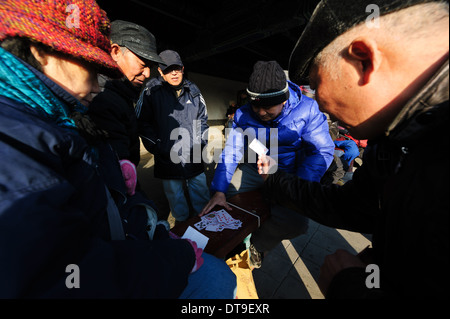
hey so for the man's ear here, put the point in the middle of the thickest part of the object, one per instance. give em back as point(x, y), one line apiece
point(160, 71)
point(367, 56)
point(116, 52)
point(41, 57)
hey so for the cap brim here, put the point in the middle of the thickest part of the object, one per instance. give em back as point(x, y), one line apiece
point(164, 66)
point(62, 41)
point(326, 25)
point(310, 45)
point(150, 56)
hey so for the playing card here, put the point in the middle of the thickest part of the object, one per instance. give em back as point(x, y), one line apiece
point(218, 221)
point(194, 235)
point(258, 147)
point(200, 225)
point(223, 217)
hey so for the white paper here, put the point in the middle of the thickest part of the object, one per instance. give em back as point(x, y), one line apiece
point(194, 235)
point(258, 147)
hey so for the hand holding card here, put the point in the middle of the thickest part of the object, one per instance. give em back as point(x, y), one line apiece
point(266, 165)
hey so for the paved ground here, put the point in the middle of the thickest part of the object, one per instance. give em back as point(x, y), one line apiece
point(291, 270)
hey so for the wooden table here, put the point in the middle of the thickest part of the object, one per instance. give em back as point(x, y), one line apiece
point(223, 242)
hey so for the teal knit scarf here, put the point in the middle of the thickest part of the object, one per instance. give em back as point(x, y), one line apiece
point(19, 83)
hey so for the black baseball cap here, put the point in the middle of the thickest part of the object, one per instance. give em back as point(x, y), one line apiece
point(136, 38)
point(330, 19)
point(169, 58)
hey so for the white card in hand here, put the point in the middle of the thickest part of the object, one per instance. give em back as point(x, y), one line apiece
point(258, 147)
point(200, 239)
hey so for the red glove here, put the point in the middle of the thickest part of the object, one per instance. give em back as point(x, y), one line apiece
point(198, 256)
point(198, 252)
point(129, 175)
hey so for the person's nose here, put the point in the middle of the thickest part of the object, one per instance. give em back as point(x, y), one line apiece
point(146, 72)
point(261, 112)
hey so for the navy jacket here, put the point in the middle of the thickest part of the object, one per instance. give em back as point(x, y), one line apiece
point(172, 128)
point(53, 214)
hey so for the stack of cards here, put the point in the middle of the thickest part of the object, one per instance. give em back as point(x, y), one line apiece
point(218, 221)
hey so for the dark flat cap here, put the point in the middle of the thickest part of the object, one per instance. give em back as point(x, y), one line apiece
point(136, 38)
point(330, 19)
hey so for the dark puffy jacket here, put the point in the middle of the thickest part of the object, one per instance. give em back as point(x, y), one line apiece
point(399, 194)
point(53, 214)
point(172, 128)
point(113, 111)
point(305, 147)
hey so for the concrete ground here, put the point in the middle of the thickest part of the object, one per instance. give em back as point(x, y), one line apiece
point(291, 270)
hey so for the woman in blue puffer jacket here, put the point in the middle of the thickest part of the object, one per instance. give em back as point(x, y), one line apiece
point(295, 133)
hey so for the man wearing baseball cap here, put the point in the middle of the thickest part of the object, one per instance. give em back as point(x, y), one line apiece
point(171, 105)
point(381, 69)
point(133, 48)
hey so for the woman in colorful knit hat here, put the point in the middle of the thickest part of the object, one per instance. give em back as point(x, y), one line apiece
point(61, 235)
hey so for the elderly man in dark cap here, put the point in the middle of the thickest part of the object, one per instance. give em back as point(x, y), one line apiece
point(381, 70)
point(133, 48)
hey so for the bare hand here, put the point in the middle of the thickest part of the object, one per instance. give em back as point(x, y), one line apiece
point(335, 263)
point(266, 165)
point(218, 199)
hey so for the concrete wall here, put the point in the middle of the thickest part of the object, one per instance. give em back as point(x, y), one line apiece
point(217, 93)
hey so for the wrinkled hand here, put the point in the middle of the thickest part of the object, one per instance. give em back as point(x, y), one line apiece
point(198, 256)
point(266, 165)
point(335, 263)
point(220, 199)
point(129, 175)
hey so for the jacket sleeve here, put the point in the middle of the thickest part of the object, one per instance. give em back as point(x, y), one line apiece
point(229, 160)
point(317, 150)
point(352, 206)
point(106, 111)
point(203, 117)
point(145, 116)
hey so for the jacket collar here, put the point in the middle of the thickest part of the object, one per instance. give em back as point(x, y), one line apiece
point(423, 109)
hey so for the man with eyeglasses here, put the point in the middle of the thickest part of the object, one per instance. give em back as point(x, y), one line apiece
point(172, 118)
point(133, 48)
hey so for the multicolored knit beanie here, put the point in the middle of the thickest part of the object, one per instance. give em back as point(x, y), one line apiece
point(79, 28)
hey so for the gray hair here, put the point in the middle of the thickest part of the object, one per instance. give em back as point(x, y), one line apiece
point(392, 28)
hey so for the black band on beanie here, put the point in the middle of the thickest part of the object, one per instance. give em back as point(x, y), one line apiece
point(269, 99)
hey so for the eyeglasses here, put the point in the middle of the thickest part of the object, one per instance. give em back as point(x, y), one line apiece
point(176, 69)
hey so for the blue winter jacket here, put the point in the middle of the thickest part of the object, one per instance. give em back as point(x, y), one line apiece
point(300, 140)
point(53, 214)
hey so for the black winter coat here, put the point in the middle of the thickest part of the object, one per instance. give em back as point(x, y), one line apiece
point(400, 195)
point(113, 111)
